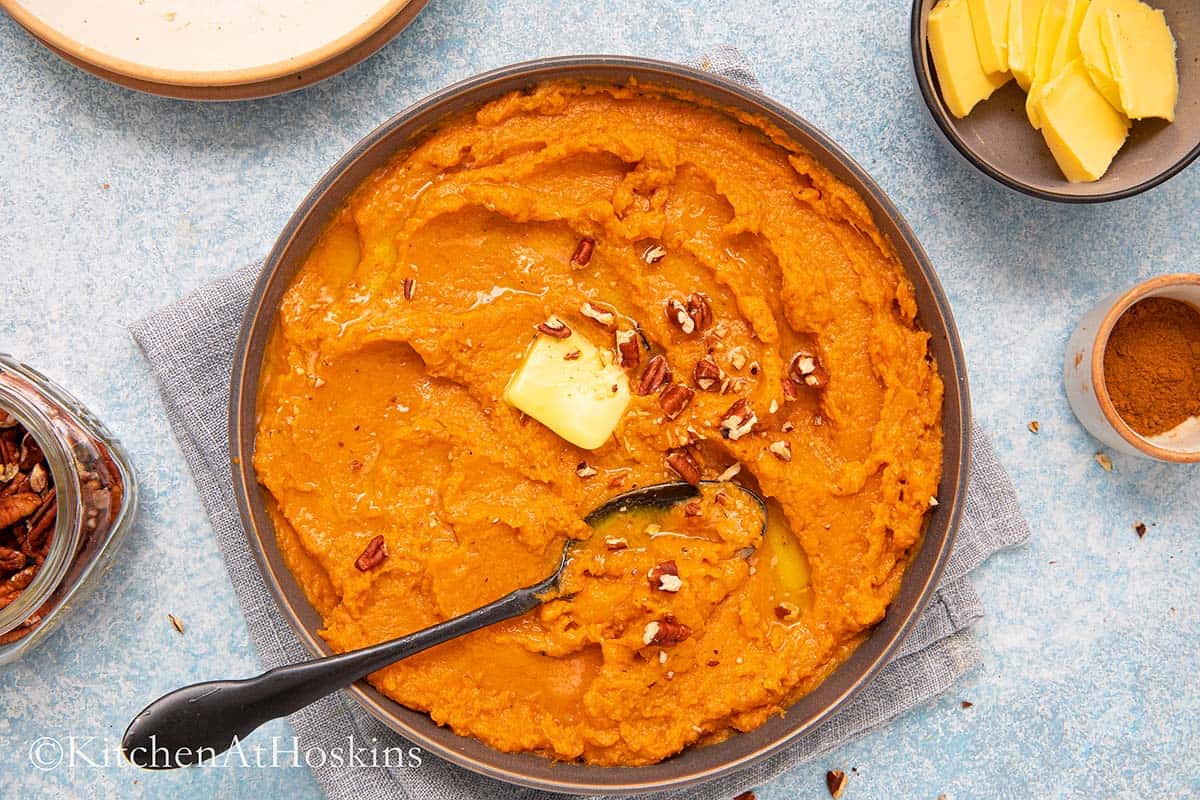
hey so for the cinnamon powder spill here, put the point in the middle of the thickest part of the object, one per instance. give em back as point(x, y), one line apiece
point(1152, 365)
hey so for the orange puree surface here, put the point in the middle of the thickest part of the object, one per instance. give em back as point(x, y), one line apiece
point(381, 413)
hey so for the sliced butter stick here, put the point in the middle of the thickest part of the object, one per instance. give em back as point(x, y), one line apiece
point(961, 76)
point(1082, 129)
point(1050, 26)
point(989, 23)
point(1141, 53)
point(1023, 19)
point(1091, 47)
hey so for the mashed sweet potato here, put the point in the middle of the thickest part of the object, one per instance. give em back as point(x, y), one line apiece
point(381, 413)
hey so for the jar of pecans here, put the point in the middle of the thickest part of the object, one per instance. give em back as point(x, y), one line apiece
point(67, 496)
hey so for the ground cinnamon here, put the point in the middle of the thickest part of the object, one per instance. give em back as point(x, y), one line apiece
point(1152, 365)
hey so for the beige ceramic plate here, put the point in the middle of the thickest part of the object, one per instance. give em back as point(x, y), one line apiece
point(214, 49)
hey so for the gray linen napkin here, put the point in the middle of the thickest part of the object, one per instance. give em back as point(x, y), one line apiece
point(190, 346)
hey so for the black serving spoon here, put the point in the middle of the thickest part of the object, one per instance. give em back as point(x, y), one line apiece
point(200, 721)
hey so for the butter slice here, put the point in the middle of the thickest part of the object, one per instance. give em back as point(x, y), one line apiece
point(963, 80)
point(1023, 19)
point(989, 22)
point(1141, 53)
point(581, 399)
point(1050, 26)
point(1091, 47)
point(1082, 129)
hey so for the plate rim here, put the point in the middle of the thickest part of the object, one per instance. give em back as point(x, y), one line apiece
point(257, 322)
point(77, 51)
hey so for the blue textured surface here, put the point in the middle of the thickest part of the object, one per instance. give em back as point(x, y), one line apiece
point(114, 203)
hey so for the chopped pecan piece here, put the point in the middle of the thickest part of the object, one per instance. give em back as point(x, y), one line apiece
point(554, 327)
point(410, 288)
point(628, 354)
point(675, 399)
point(738, 420)
point(682, 462)
point(835, 782)
point(657, 373)
point(615, 543)
point(692, 509)
point(585, 470)
point(574, 355)
point(699, 308)
point(707, 375)
point(373, 556)
point(677, 315)
point(806, 370)
point(781, 450)
point(583, 253)
point(665, 632)
point(653, 254)
point(601, 315)
point(664, 577)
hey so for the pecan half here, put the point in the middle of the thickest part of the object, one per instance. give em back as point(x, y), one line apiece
point(555, 327)
point(707, 375)
point(657, 373)
point(17, 507)
point(373, 556)
point(628, 354)
point(583, 253)
point(603, 316)
point(664, 577)
point(682, 462)
point(738, 420)
point(699, 308)
point(665, 632)
point(677, 315)
point(11, 560)
point(675, 399)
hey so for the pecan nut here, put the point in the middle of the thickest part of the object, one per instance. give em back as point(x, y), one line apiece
point(665, 632)
point(699, 308)
point(664, 577)
point(805, 369)
point(656, 374)
point(373, 556)
point(677, 315)
point(675, 399)
point(555, 327)
point(11, 560)
point(707, 375)
point(583, 253)
point(738, 420)
point(602, 315)
point(628, 354)
point(684, 465)
point(16, 507)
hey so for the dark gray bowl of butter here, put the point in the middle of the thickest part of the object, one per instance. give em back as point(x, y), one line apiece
point(996, 136)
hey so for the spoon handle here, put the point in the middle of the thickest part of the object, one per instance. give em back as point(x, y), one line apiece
point(200, 721)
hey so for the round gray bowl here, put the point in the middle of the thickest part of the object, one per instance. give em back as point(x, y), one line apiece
point(997, 138)
point(695, 764)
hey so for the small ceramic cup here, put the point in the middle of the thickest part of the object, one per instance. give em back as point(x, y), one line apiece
point(1084, 375)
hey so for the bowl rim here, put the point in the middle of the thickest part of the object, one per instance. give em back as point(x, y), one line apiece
point(933, 103)
point(135, 74)
point(917, 588)
point(1100, 346)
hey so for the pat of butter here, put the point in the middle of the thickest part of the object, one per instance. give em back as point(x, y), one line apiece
point(1141, 54)
point(1082, 129)
point(1091, 47)
point(1023, 19)
point(989, 22)
point(962, 78)
point(581, 398)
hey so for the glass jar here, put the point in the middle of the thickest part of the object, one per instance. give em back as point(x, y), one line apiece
point(80, 478)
